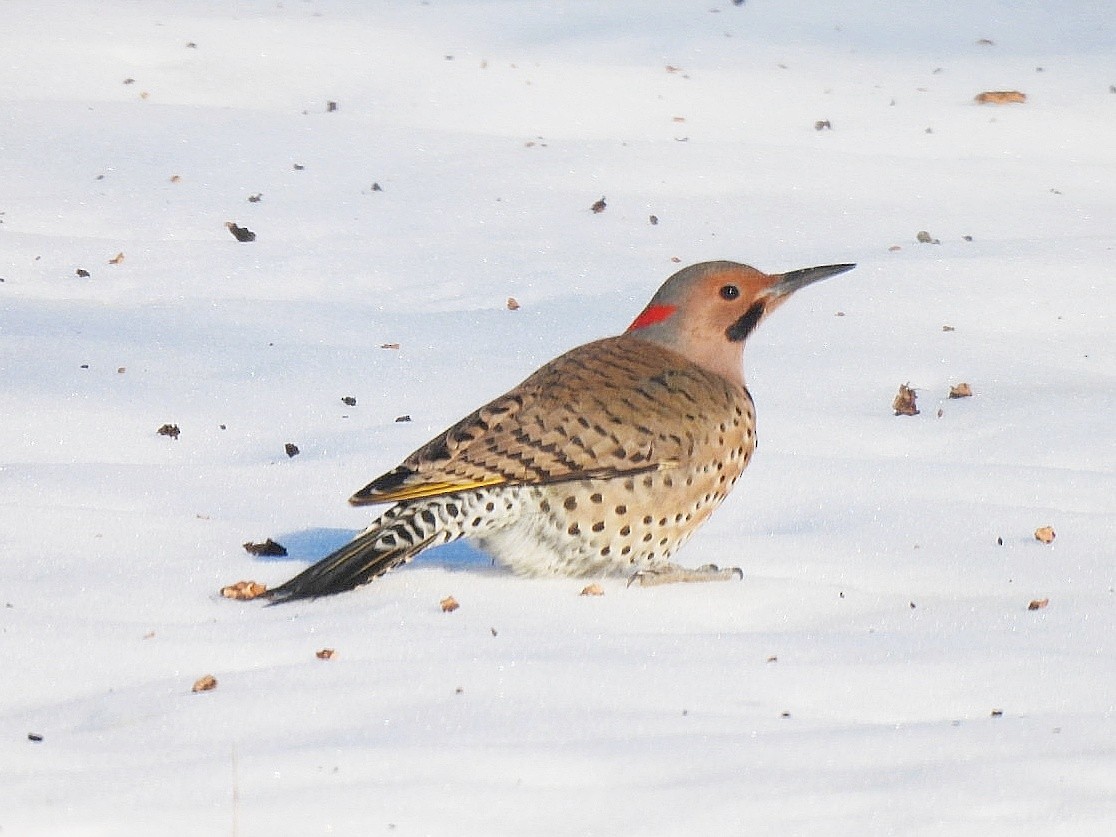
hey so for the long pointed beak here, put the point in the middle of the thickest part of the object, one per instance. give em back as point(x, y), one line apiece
point(794, 280)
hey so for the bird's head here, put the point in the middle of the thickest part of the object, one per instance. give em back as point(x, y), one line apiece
point(706, 311)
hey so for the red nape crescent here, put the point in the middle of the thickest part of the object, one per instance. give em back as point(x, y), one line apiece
point(652, 314)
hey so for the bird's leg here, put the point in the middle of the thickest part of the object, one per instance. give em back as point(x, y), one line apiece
point(672, 574)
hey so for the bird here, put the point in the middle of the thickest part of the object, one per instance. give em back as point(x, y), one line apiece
point(602, 462)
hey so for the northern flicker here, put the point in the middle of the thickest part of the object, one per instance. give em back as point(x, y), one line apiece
point(603, 461)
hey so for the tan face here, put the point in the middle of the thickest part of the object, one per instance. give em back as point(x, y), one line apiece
point(732, 302)
point(723, 309)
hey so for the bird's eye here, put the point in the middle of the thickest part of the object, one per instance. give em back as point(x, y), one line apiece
point(730, 292)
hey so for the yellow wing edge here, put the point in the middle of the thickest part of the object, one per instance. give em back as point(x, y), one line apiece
point(425, 489)
point(364, 497)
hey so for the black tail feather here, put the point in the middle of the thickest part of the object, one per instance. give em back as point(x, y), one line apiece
point(358, 562)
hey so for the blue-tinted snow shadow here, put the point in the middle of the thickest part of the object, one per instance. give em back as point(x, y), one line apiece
point(310, 545)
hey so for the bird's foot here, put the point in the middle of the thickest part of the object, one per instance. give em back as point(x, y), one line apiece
point(673, 574)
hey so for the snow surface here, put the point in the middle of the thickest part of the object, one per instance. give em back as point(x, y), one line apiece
point(877, 672)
